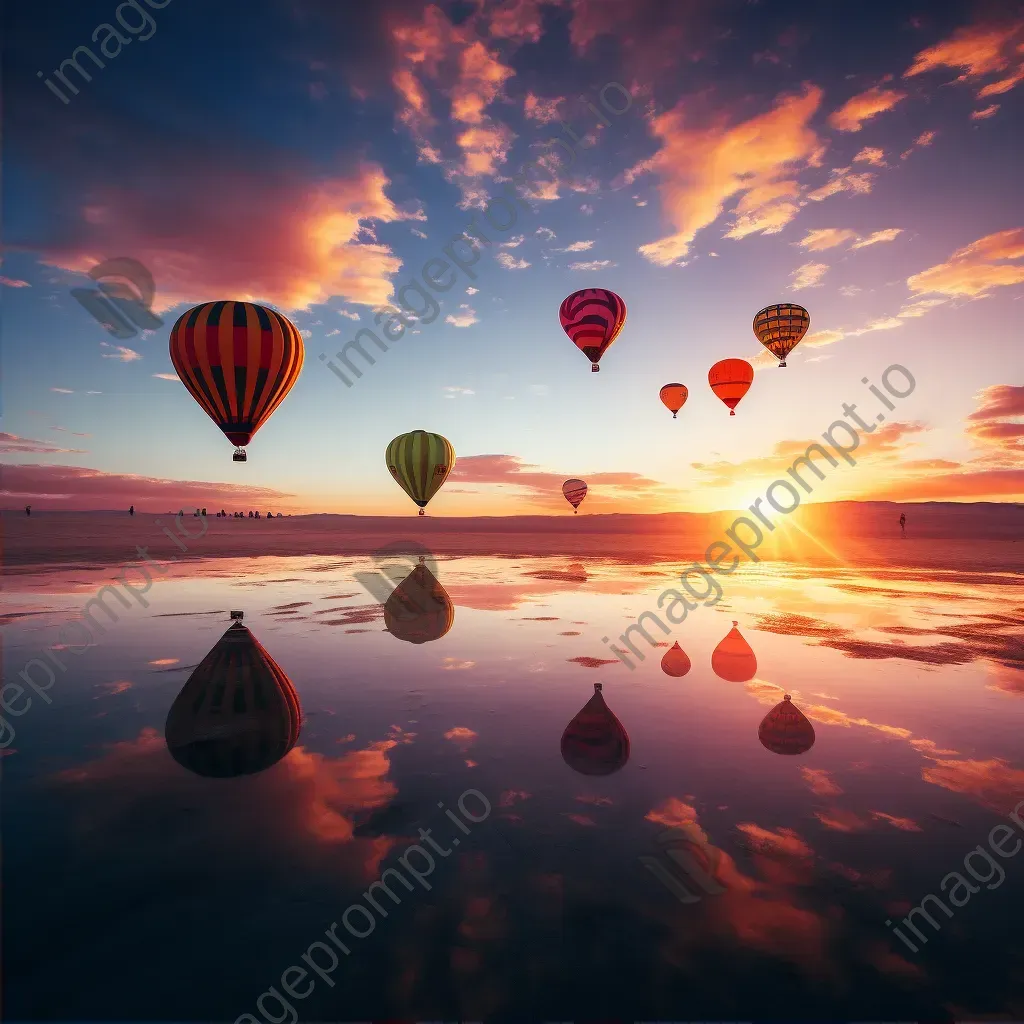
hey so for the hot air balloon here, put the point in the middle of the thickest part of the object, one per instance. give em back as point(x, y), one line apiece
point(592, 318)
point(675, 662)
point(419, 610)
point(575, 491)
point(785, 729)
point(238, 361)
point(780, 328)
point(594, 742)
point(673, 397)
point(733, 659)
point(420, 462)
point(730, 379)
point(238, 714)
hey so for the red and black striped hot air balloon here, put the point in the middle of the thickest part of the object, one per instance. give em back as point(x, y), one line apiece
point(786, 730)
point(730, 379)
point(592, 317)
point(733, 659)
point(238, 361)
point(238, 714)
point(594, 742)
point(574, 492)
point(419, 609)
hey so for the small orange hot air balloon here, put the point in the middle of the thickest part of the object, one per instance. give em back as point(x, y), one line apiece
point(785, 729)
point(675, 662)
point(733, 659)
point(673, 397)
point(592, 317)
point(780, 328)
point(730, 379)
point(594, 742)
point(419, 609)
point(575, 491)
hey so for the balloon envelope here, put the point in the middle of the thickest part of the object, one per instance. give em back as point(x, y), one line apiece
point(575, 491)
point(238, 713)
point(420, 462)
point(419, 610)
point(730, 379)
point(780, 328)
point(594, 742)
point(733, 659)
point(673, 397)
point(238, 360)
point(592, 317)
point(785, 729)
point(675, 662)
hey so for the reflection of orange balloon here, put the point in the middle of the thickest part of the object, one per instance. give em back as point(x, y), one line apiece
point(675, 662)
point(730, 379)
point(594, 742)
point(785, 729)
point(733, 659)
point(673, 397)
point(238, 713)
point(419, 609)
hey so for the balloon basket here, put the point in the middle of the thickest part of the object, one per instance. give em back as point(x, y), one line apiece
point(239, 455)
point(595, 368)
point(732, 412)
point(782, 364)
point(673, 415)
point(422, 512)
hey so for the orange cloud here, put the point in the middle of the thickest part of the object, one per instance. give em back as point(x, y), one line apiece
point(844, 179)
point(992, 783)
point(11, 444)
point(975, 270)
point(870, 155)
point(808, 275)
point(981, 115)
point(850, 117)
point(885, 235)
point(826, 238)
point(993, 424)
point(978, 51)
point(542, 110)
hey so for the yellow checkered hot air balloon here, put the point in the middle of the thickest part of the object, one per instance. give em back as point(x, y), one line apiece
point(420, 462)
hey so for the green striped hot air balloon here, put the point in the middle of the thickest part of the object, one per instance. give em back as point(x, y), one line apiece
point(420, 462)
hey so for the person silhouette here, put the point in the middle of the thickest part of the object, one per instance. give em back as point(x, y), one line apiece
point(28, 510)
point(250, 513)
point(903, 525)
point(131, 510)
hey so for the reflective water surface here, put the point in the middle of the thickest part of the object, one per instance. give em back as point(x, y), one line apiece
point(721, 831)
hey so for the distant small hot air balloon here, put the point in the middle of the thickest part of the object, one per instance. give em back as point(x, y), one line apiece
point(780, 328)
point(575, 491)
point(673, 397)
point(419, 610)
point(675, 662)
point(592, 317)
point(238, 714)
point(733, 659)
point(238, 360)
point(730, 379)
point(420, 462)
point(594, 742)
point(785, 729)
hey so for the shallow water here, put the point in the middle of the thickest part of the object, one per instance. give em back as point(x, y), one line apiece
point(136, 889)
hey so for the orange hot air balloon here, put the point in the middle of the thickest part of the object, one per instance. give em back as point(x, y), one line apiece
point(238, 360)
point(730, 379)
point(733, 659)
point(575, 491)
point(675, 662)
point(592, 318)
point(673, 397)
point(785, 729)
point(780, 328)
point(238, 714)
point(594, 742)
point(419, 609)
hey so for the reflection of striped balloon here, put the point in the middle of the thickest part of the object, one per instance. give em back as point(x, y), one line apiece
point(419, 610)
point(592, 318)
point(594, 742)
point(785, 729)
point(238, 361)
point(733, 658)
point(420, 462)
point(730, 379)
point(781, 327)
point(575, 491)
point(237, 714)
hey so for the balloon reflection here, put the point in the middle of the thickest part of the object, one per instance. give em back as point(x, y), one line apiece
point(595, 742)
point(675, 662)
point(419, 610)
point(237, 714)
point(733, 660)
point(785, 729)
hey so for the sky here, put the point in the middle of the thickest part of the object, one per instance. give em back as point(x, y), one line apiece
point(862, 161)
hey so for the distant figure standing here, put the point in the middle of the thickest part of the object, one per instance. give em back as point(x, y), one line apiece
point(28, 510)
point(131, 510)
point(270, 515)
point(250, 513)
point(903, 525)
point(204, 511)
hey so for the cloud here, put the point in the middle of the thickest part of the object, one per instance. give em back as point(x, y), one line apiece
point(586, 209)
point(543, 111)
point(546, 233)
point(592, 265)
point(8, 282)
point(975, 270)
point(821, 338)
point(701, 168)
point(348, 313)
point(125, 355)
point(870, 155)
point(166, 376)
point(466, 317)
point(885, 235)
point(924, 139)
point(882, 323)
point(510, 262)
point(850, 117)
point(920, 308)
point(843, 179)
point(995, 423)
point(826, 238)
point(989, 111)
point(63, 391)
point(576, 247)
point(418, 233)
point(11, 444)
point(452, 391)
point(978, 51)
point(849, 290)
point(808, 275)
point(513, 243)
